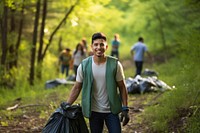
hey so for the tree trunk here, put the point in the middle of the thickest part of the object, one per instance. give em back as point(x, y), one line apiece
point(4, 36)
point(42, 31)
point(12, 45)
point(33, 49)
point(39, 59)
point(161, 32)
point(60, 44)
point(19, 35)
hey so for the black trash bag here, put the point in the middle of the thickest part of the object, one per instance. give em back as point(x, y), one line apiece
point(146, 86)
point(54, 83)
point(148, 72)
point(68, 120)
point(140, 85)
point(132, 86)
point(161, 85)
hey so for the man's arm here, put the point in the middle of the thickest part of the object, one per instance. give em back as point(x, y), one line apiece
point(123, 92)
point(131, 52)
point(150, 56)
point(124, 95)
point(76, 89)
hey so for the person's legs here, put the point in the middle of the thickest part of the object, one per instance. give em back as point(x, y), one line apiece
point(62, 68)
point(117, 54)
point(113, 123)
point(75, 69)
point(96, 122)
point(112, 53)
point(67, 70)
point(138, 65)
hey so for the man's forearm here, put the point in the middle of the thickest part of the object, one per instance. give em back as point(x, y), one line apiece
point(124, 93)
point(74, 94)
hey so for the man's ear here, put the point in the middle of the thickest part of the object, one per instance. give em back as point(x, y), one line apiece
point(106, 46)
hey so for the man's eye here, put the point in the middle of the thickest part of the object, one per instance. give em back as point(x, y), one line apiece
point(102, 44)
point(95, 44)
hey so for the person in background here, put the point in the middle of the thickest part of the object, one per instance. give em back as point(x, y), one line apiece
point(78, 55)
point(104, 94)
point(65, 59)
point(137, 51)
point(84, 43)
point(115, 46)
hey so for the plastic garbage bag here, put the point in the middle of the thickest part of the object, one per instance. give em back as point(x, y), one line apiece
point(148, 84)
point(148, 72)
point(68, 120)
point(161, 85)
point(132, 85)
point(54, 83)
point(144, 84)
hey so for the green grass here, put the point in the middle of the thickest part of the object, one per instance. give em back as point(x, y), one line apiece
point(178, 72)
point(186, 81)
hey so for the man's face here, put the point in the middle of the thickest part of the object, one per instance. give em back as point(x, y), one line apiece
point(99, 47)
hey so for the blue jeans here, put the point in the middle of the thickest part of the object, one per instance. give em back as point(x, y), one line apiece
point(65, 68)
point(75, 69)
point(115, 53)
point(111, 120)
point(138, 65)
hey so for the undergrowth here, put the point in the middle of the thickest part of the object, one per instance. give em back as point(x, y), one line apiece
point(182, 73)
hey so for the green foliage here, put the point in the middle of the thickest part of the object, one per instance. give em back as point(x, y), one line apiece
point(182, 97)
point(4, 123)
point(193, 125)
point(180, 72)
point(131, 19)
point(1, 8)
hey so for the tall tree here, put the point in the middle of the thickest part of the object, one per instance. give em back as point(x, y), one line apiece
point(12, 44)
point(21, 23)
point(41, 42)
point(33, 49)
point(3, 27)
point(4, 24)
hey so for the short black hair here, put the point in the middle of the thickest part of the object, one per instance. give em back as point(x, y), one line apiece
point(140, 39)
point(98, 35)
point(68, 49)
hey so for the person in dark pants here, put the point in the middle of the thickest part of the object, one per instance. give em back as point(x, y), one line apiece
point(65, 59)
point(78, 55)
point(115, 46)
point(104, 94)
point(137, 51)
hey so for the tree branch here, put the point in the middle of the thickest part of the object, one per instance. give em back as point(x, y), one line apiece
point(56, 29)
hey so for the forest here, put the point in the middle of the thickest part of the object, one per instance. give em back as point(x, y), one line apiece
point(34, 32)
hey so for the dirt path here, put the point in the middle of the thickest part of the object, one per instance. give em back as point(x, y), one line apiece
point(30, 121)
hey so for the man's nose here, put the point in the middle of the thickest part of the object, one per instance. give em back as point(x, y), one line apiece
point(98, 46)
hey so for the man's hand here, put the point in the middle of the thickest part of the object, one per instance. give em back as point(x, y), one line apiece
point(125, 116)
point(65, 105)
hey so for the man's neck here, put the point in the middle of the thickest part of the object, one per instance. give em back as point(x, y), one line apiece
point(99, 60)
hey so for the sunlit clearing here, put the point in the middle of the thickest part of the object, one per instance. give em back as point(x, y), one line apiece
point(74, 23)
point(46, 30)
